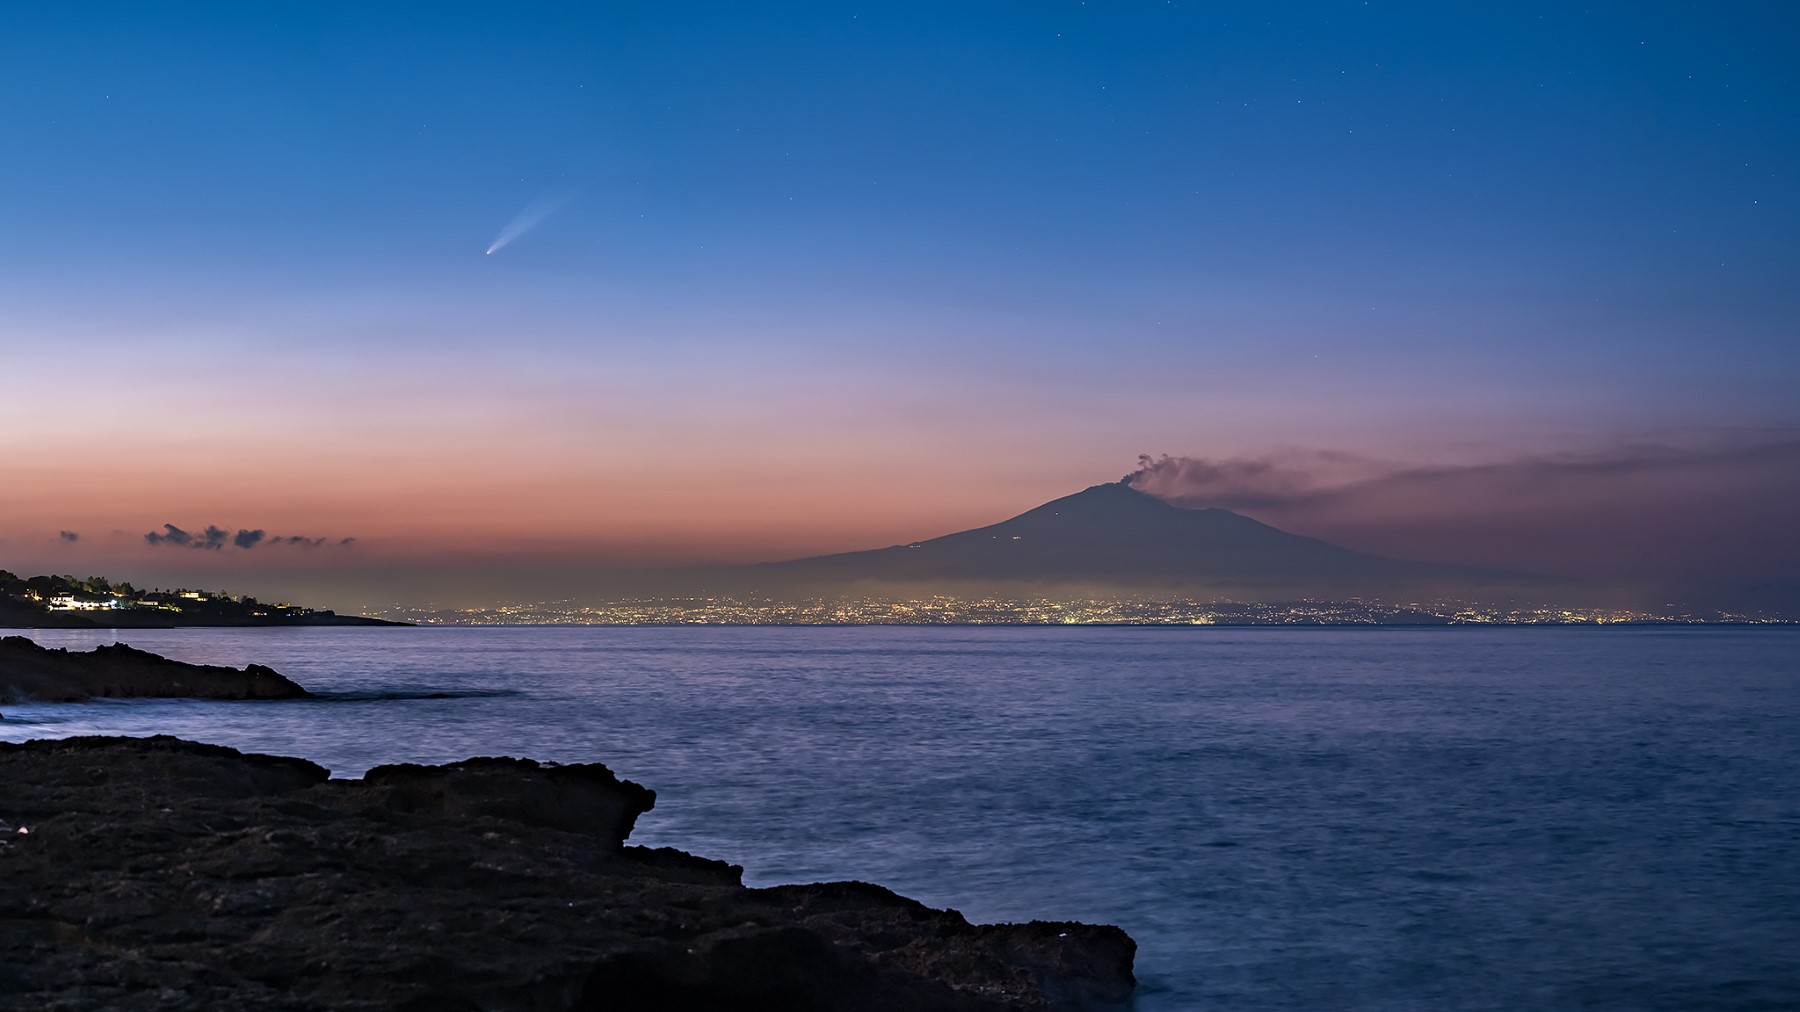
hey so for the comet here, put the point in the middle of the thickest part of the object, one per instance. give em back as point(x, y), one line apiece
point(533, 214)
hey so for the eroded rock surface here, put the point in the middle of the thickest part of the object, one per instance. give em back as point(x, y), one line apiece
point(164, 874)
point(54, 675)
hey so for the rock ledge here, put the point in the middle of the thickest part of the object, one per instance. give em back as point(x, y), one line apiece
point(55, 675)
point(164, 874)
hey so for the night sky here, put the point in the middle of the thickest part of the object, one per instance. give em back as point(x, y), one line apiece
point(1499, 282)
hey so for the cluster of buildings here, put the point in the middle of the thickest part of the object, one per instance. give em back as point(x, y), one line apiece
point(96, 595)
point(164, 600)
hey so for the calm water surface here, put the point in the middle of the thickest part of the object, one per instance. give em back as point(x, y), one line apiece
point(1284, 819)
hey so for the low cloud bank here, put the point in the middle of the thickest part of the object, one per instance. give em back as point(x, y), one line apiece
point(1720, 512)
point(214, 539)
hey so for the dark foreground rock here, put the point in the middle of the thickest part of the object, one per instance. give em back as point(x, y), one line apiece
point(163, 874)
point(30, 671)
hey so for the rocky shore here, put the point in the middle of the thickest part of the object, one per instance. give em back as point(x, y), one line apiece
point(30, 671)
point(164, 874)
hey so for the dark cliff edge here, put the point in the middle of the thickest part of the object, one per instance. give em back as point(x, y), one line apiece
point(164, 874)
point(54, 675)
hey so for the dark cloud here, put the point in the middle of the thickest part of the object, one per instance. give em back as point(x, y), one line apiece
point(68, 535)
point(209, 539)
point(213, 538)
point(1637, 512)
point(172, 535)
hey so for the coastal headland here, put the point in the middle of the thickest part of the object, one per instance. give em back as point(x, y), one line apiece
point(55, 675)
point(68, 602)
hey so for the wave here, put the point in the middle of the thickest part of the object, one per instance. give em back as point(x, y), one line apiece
point(382, 695)
point(28, 719)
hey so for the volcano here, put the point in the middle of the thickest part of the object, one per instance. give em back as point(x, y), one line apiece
point(1114, 536)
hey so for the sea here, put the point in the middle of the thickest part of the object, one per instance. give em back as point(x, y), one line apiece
point(1284, 818)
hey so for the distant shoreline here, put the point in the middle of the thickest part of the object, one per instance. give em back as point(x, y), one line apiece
point(83, 622)
point(65, 602)
point(1735, 624)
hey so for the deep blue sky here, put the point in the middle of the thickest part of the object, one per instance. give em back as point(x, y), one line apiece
point(943, 258)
